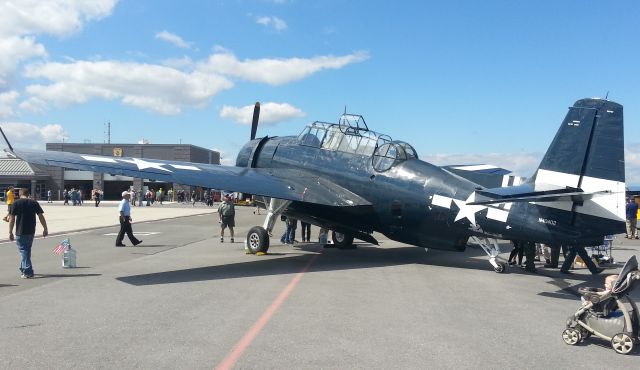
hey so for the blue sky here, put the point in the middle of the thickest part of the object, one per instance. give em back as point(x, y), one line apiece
point(463, 81)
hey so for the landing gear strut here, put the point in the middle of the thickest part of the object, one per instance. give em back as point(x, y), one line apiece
point(258, 236)
point(492, 249)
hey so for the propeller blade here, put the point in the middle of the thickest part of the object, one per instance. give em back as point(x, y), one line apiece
point(254, 123)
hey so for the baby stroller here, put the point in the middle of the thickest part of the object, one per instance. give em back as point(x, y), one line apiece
point(606, 316)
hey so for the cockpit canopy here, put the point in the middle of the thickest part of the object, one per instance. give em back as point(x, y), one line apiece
point(352, 135)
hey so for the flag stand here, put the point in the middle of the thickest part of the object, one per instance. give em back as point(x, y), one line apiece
point(68, 254)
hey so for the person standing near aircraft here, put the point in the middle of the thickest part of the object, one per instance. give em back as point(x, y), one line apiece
point(530, 255)
point(226, 216)
point(125, 221)
point(10, 197)
point(306, 231)
point(23, 215)
point(571, 256)
point(632, 220)
point(516, 252)
point(292, 226)
point(554, 255)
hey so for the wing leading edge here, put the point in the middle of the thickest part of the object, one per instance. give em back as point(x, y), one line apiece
point(288, 184)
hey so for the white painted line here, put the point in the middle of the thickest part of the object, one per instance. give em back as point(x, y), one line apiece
point(136, 233)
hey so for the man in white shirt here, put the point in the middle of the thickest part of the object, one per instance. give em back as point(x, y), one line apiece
point(125, 221)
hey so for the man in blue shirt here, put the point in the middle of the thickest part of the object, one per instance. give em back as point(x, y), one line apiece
point(125, 221)
point(632, 218)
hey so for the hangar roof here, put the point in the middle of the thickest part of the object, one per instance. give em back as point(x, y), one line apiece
point(17, 167)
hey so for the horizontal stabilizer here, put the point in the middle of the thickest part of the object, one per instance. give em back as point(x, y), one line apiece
point(486, 175)
point(534, 193)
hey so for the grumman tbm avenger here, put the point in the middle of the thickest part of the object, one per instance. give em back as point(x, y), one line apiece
point(352, 180)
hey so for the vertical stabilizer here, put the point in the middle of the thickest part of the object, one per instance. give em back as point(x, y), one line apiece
point(588, 153)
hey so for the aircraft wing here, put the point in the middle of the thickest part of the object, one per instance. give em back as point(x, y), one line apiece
point(289, 184)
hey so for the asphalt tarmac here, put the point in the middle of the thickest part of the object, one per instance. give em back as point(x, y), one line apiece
point(183, 300)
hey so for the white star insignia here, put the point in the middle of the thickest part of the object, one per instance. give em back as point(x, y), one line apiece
point(142, 164)
point(467, 211)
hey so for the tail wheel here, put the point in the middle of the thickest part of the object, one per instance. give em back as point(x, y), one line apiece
point(342, 240)
point(257, 240)
point(571, 336)
point(622, 343)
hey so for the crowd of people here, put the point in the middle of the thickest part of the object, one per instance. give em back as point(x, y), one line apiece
point(531, 252)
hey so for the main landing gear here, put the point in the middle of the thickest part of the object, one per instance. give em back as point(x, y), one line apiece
point(257, 241)
point(342, 241)
point(492, 249)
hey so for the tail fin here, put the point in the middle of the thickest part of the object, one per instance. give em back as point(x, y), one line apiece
point(590, 142)
point(587, 153)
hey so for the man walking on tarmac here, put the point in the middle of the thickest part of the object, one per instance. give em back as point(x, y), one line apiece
point(125, 221)
point(23, 215)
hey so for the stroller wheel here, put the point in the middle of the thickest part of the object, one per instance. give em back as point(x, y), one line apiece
point(571, 336)
point(622, 343)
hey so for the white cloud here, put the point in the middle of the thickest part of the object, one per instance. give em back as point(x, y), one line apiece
point(226, 159)
point(178, 63)
point(55, 17)
point(27, 135)
point(153, 87)
point(165, 89)
point(173, 39)
point(274, 22)
point(632, 163)
point(13, 51)
point(7, 102)
point(22, 20)
point(276, 71)
point(270, 113)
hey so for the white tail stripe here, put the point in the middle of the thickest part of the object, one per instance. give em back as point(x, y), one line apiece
point(610, 206)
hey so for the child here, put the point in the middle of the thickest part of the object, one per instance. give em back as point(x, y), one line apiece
point(609, 281)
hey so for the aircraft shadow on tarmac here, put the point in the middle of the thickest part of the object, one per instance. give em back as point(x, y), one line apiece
point(363, 257)
point(6, 285)
point(43, 276)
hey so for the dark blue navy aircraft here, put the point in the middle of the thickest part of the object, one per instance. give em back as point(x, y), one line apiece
point(347, 178)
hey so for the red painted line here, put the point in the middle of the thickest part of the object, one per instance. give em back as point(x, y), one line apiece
point(257, 327)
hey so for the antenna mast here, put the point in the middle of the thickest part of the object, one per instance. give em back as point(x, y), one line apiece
point(108, 132)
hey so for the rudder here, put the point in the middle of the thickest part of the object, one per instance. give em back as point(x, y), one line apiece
point(587, 153)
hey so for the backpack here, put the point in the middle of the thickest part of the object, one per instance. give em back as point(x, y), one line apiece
point(228, 210)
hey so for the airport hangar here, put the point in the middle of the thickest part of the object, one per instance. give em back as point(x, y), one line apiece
point(39, 179)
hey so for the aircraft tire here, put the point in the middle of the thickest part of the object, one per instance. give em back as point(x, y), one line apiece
point(257, 240)
point(342, 241)
point(501, 268)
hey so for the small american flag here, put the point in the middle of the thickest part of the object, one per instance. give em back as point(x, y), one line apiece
point(64, 245)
